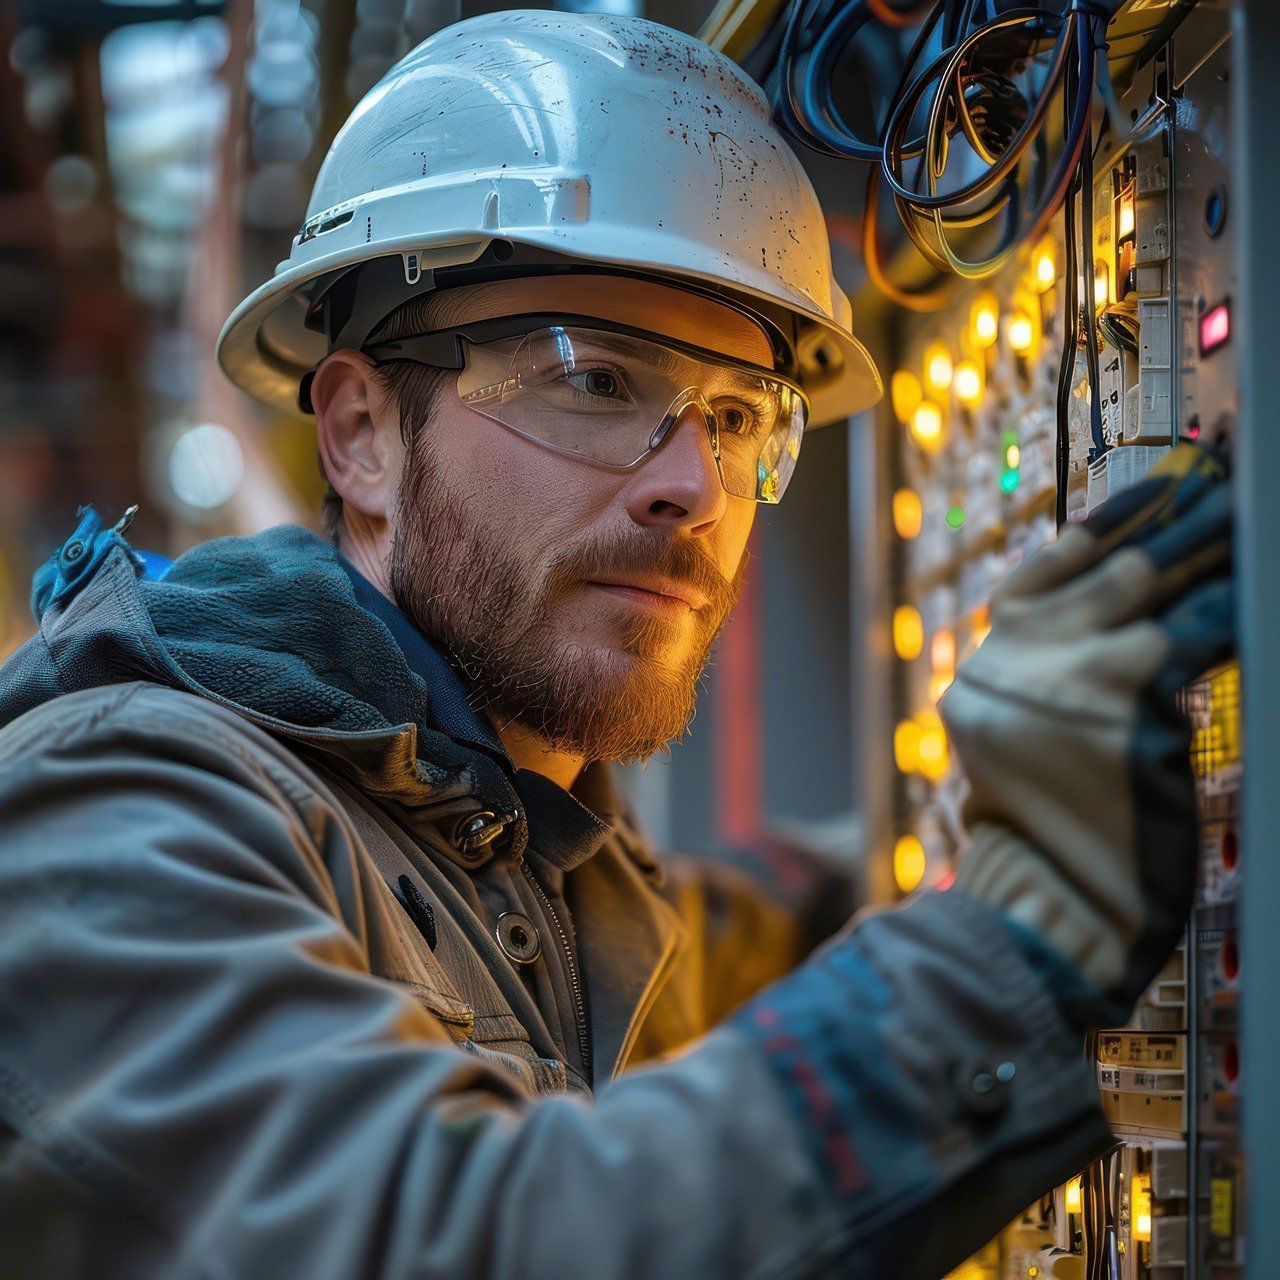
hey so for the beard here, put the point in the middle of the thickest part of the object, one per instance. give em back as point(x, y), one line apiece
point(498, 612)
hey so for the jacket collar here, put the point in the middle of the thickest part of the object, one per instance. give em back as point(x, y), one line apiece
point(562, 829)
point(627, 952)
point(444, 693)
point(278, 627)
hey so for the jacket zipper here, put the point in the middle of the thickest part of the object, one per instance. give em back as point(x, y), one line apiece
point(575, 985)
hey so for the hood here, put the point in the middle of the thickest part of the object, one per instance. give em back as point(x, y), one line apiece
point(267, 625)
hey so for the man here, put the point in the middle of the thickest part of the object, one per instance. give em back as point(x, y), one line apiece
point(324, 939)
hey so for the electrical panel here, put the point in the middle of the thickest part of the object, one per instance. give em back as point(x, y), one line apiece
point(995, 444)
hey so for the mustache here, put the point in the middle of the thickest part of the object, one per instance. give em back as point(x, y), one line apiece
point(636, 554)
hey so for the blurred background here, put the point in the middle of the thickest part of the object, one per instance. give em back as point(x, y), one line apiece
point(158, 159)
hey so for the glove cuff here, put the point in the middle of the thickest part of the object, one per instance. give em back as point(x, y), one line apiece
point(1002, 869)
point(1083, 1005)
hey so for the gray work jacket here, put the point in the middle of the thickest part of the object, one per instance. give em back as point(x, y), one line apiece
point(233, 1043)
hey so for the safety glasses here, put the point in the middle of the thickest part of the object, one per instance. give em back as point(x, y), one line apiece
point(610, 394)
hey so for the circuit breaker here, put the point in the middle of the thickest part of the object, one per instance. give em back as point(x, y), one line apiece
point(988, 463)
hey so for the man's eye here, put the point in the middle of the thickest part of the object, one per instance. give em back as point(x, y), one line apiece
point(603, 384)
point(737, 419)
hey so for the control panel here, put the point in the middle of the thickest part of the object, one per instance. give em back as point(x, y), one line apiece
point(1000, 438)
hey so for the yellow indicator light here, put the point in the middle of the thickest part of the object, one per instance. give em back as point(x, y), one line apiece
point(1101, 285)
point(1074, 1196)
point(1032, 1272)
point(908, 514)
point(926, 426)
point(1013, 457)
point(942, 650)
point(935, 755)
point(1022, 333)
point(1125, 223)
point(908, 632)
point(908, 863)
point(937, 367)
point(981, 627)
point(906, 393)
point(939, 683)
point(906, 746)
point(1140, 1193)
point(967, 382)
point(1215, 741)
point(1044, 268)
point(984, 321)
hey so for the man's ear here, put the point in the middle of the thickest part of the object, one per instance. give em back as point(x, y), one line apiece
point(358, 434)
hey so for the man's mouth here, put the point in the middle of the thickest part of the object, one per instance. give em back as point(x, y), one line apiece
point(654, 592)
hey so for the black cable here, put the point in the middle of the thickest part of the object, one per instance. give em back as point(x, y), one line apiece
point(964, 89)
point(932, 298)
point(1113, 1269)
point(916, 207)
point(1089, 1223)
point(1090, 308)
point(910, 101)
point(1066, 369)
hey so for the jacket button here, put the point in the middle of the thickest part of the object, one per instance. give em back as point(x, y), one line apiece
point(983, 1087)
point(475, 834)
point(518, 937)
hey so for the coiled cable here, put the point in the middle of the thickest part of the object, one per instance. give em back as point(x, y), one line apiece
point(979, 71)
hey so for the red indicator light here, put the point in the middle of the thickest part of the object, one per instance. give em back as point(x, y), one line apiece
point(1230, 957)
point(1231, 1062)
point(1215, 327)
point(1230, 849)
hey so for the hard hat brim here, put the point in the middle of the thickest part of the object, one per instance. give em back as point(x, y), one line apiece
point(266, 348)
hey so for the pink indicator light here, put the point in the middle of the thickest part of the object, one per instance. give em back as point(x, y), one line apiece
point(1215, 327)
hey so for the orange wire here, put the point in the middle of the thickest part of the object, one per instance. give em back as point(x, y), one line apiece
point(934, 298)
point(884, 12)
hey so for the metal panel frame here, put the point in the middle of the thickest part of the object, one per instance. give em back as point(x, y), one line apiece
point(1256, 109)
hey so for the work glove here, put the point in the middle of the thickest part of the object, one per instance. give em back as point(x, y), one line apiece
point(1082, 807)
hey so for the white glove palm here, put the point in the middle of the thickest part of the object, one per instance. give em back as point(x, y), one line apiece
point(1081, 811)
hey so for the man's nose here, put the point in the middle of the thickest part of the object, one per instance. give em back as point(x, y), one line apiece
point(679, 482)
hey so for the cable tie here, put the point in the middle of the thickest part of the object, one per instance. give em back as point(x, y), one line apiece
point(1120, 123)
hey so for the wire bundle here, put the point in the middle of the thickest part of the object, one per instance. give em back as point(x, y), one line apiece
point(983, 73)
point(1100, 1194)
point(1118, 324)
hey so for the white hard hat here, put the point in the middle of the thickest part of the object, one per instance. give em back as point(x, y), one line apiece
point(532, 141)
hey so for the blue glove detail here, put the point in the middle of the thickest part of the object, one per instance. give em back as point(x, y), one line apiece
point(1083, 1004)
point(814, 1028)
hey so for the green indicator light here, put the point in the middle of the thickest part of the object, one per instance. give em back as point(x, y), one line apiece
point(955, 517)
point(1012, 457)
point(1009, 480)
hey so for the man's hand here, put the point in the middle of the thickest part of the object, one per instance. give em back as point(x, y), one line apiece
point(1082, 805)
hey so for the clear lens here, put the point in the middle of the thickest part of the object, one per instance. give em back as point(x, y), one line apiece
point(611, 398)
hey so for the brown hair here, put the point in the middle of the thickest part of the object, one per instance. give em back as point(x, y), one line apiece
point(413, 387)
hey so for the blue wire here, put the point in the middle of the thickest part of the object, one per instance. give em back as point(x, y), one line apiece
point(806, 105)
point(818, 80)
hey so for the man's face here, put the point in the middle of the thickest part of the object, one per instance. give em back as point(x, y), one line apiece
point(579, 602)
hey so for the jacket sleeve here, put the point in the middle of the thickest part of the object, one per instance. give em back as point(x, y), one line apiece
point(200, 1077)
